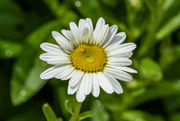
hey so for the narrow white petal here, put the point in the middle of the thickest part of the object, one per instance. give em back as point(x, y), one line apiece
point(112, 31)
point(66, 71)
point(120, 54)
point(89, 21)
point(81, 24)
point(95, 85)
point(118, 39)
point(51, 48)
point(104, 83)
point(88, 84)
point(84, 38)
point(89, 25)
point(47, 56)
point(75, 31)
point(119, 61)
point(103, 35)
point(59, 61)
point(70, 75)
point(69, 35)
point(80, 95)
point(71, 90)
point(100, 24)
point(62, 41)
point(122, 48)
point(76, 79)
point(119, 74)
point(116, 85)
point(49, 73)
point(127, 69)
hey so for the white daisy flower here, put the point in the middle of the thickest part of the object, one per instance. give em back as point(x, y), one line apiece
point(89, 58)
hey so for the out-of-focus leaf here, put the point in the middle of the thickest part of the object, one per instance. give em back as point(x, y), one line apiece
point(162, 89)
point(10, 17)
point(28, 113)
point(175, 117)
point(26, 80)
point(167, 53)
point(91, 7)
point(99, 112)
point(111, 3)
point(49, 113)
point(172, 103)
point(150, 70)
point(135, 115)
point(169, 27)
point(26, 84)
point(170, 19)
point(9, 49)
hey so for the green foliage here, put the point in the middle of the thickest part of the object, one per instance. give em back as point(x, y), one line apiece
point(49, 113)
point(152, 95)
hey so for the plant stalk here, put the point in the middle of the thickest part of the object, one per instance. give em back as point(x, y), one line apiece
point(76, 112)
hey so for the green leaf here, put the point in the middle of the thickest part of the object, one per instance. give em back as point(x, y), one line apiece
point(175, 117)
point(26, 84)
point(135, 115)
point(170, 26)
point(172, 103)
point(170, 19)
point(9, 49)
point(10, 17)
point(49, 113)
point(150, 70)
point(99, 112)
point(162, 89)
point(26, 80)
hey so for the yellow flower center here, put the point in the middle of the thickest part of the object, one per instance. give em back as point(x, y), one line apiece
point(88, 58)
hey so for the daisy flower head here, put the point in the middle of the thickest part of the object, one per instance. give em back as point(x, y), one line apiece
point(89, 58)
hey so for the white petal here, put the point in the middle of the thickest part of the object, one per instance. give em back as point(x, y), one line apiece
point(49, 73)
point(76, 79)
point(71, 90)
point(59, 61)
point(120, 54)
point(75, 31)
point(119, 74)
point(103, 35)
point(80, 95)
point(69, 35)
point(51, 48)
point(119, 61)
point(104, 83)
point(118, 39)
point(62, 41)
point(100, 24)
point(127, 69)
point(84, 38)
point(112, 31)
point(95, 86)
point(88, 84)
point(116, 85)
point(64, 74)
point(122, 48)
point(90, 27)
point(48, 56)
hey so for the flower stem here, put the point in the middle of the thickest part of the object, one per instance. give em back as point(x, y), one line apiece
point(76, 111)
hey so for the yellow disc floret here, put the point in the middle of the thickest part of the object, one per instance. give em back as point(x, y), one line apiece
point(88, 58)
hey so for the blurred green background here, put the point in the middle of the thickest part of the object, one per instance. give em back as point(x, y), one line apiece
point(154, 25)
